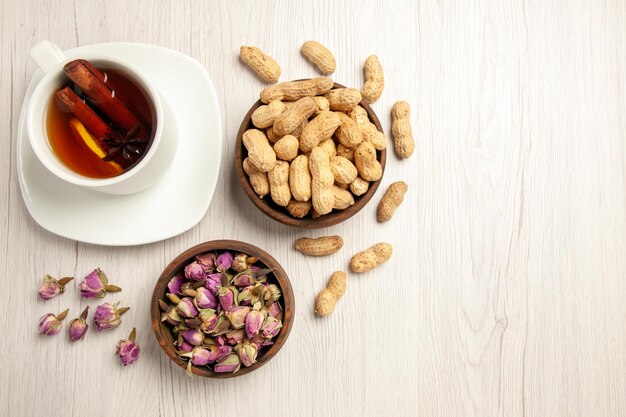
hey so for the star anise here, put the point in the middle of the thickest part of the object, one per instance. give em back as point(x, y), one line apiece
point(129, 145)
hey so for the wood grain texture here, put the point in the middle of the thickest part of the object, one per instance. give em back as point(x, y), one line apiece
point(505, 293)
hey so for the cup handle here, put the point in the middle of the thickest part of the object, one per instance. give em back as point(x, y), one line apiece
point(46, 55)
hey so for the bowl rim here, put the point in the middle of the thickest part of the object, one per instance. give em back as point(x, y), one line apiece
point(176, 266)
point(282, 216)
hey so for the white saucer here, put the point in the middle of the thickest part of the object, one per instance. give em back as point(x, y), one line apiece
point(177, 202)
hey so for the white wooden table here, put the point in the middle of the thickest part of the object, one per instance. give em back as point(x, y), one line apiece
point(505, 294)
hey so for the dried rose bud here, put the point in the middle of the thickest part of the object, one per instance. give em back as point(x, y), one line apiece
point(171, 316)
point(259, 341)
point(205, 299)
point(195, 272)
point(214, 282)
point(108, 316)
point(50, 324)
point(254, 321)
point(275, 310)
point(185, 347)
point(239, 263)
point(237, 316)
point(209, 322)
point(235, 336)
point(252, 294)
point(228, 297)
point(271, 327)
point(244, 279)
point(198, 357)
point(247, 353)
point(79, 326)
point(229, 363)
point(207, 260)
point(50, 287)
point(222, 326)
point(128, 350)
point(273, 292)
point(175, 284)
point(96, 285)
point(205, 314)
point(193, 337)
point(186, 308)
point(224, 261)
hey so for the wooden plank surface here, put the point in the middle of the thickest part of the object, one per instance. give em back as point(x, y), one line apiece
point(505, 294)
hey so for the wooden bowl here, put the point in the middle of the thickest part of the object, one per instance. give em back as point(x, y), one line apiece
point(165, 336)
point(280, 214)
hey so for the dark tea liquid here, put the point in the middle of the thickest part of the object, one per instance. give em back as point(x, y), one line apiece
point(73, 152)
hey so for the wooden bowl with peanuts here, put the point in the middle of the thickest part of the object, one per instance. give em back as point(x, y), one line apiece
point(309, 147)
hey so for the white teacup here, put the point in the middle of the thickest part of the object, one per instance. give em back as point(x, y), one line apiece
point(152, 165)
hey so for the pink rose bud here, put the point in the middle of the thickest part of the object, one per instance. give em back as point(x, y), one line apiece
point(224, 262)
point(259, 341)
point(195, 272)
point(228, 297)
point(185, 347)
point(235, 336)
point(222, 326)
point(207, 260)
point(237, 316)
point(205, 298)
point(50, 287)
point(239, 263)
point(108, 316)
point(171, 316)
point(128, 350)
point(96, 285)
point(50, 324)
point(244, 279)
point(273, 292)
point(247, 354)
point(200, 356)
point(275, 310)
point(79, 326)
point(271, 327)
point(193, 337)
point(175, 283)
point(229, 363)
point(186, 308)
point(205, 314)
point(254, 321)
point(214, 282)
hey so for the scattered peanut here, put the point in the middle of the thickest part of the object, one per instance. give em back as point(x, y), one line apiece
point(401, 129)
point(294, 116)
point(286, 148)
point(320, 246)
point(329, 146)
point(391, 200)
point(366, 163)
point(262, 64)
point(279, 183)
point(370, 258)
point(321, 181)
point(343, 198)
point(265, 115)
point(343, 99)
point(258, 179)
point(294, 90)
point(359, 186)
point(299, 209)
point(320, 56)
point(328, 297)
point(374, 79)
point(300, 178)
point(320, 128)
point(260, 152)
point(344, 171)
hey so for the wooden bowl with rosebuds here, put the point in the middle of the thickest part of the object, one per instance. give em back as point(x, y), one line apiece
point(222, 309)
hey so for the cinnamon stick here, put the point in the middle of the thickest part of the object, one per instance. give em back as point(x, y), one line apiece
point(104, 97)
point(93, 123)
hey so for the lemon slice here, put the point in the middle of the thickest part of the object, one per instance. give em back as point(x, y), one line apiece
point(91, 143)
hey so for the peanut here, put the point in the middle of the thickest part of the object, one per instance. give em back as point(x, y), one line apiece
point(343, 198)
point(321, 181)
point(328, 297)
point(320, 56)
point(359, 186)
point(300, 178)
point(391, 200)
point(294, 90)
point(344, 171)
point(374, 79)
point(329, 146)
point(299, 209)
point(321, 104)
point(279, 183)
point(260, 152)
point(286, 148)
point(366, 163)
point(368, 129)
point(320, 128)
point(346, 152)
point(343, 99)
point(258, 179)
point(271, 136)
point(299, 129)
point(370, 258)
point(265, 115)
point(262, 64)
point(348, 133)
point(401, 129)
point(320, 246)
point(294, 116)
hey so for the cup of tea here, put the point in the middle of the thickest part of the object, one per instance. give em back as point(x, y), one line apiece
point(97, 123)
